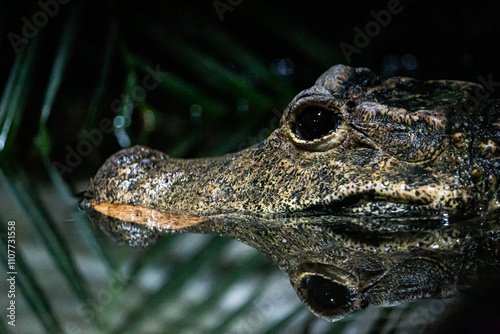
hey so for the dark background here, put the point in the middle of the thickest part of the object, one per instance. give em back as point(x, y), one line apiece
point(226, 83)
point(231, 59)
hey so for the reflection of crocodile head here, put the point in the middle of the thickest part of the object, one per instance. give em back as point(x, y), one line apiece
point(352, 194)
point(386, 268)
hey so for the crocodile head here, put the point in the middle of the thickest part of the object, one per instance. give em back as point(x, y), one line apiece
point(356, 169)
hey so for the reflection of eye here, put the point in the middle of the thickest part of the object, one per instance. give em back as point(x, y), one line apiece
point(315, 122)
point(326, 293)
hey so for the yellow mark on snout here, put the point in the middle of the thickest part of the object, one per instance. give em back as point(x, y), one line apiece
point(146, 216)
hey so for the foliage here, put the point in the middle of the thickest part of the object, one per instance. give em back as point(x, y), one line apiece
point(212, 92)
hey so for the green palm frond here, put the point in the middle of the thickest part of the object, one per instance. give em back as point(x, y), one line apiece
point(66, 240)
point(216, 93)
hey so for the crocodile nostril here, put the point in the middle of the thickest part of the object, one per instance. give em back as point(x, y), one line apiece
point(326, 293)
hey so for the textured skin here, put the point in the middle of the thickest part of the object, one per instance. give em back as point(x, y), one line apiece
point(393, 204)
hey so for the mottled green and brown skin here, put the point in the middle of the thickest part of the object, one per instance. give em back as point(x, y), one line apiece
point(360, 195)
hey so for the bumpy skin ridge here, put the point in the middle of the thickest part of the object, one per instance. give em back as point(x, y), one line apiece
point(411, 155)
point(403, 189)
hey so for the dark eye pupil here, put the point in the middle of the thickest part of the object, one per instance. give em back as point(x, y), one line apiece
point(315, 122)
point(326, 293)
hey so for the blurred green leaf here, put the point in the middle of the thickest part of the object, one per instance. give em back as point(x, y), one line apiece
point(18, 186)
point(55, 79)
point(26, 281)
point(66, 80)
point(15, 94)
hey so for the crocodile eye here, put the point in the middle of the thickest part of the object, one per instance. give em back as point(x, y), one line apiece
point(325, 293)
point(315, 122)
